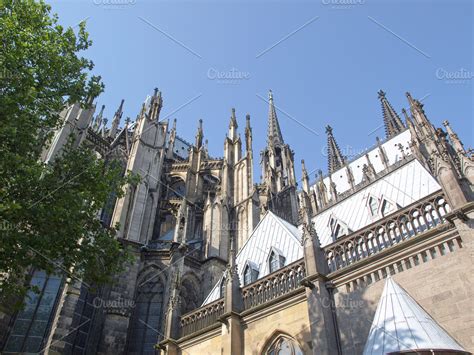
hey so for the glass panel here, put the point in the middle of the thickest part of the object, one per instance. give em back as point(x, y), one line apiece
point(38, 307)
point(33, 344)
point(38, 328)
point(21, 327)
point(14, 343)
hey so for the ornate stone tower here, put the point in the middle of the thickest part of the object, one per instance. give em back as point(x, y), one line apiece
point(278, 188)
point(442, 154)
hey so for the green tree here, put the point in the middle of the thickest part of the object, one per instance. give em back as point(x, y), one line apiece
point(48, 213)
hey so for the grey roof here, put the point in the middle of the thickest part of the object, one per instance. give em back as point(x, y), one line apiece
point(400, 188)
point(271, 233)
point(402, 324)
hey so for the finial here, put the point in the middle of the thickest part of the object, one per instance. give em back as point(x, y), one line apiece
point(270, 95)
point(381, 94)
point(328, 129)
point(155, 91)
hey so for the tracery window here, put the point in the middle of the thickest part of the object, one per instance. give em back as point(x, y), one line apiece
point(146, 322)
point(33, 322)
point(283, 346)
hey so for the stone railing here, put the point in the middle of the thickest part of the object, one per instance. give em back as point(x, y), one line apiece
point(202, 317)
point(274, 285)
point(393, 229)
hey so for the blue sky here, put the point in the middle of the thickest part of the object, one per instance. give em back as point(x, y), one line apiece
point(323, 61)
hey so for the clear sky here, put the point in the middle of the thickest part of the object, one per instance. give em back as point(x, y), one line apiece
point(324, 62)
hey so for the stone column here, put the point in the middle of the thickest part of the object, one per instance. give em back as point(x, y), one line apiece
point(321, 310)
point(232, 332)
point(118, 312)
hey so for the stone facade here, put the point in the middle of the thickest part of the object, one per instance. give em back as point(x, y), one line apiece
point(191, 213)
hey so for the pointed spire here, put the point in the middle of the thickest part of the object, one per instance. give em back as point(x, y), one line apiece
point(458, 146)
point(171, 141)
point(199, 135)
point(274, 132)
point(305, 177)
point(335, 158)
point(116, 120)
point(423, 125)
point(393, 123)
point(232, 134)
point(382, 153)
point(248, 134)
point(104, 127)
point(98, 120)
point(156, 104)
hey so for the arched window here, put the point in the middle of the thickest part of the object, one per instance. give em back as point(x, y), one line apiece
point(189, 296)
point(145, 327)
point(250, 274)
point(373, 205)
point(283, 345)
point(275, 261)
point(34, 320)
point(386, 208)
point(222, 288)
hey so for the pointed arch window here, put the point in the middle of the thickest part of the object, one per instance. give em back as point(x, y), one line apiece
point(32, 323)
point(146, 322)
point(189, 296)
point(222, 288)
point(386, 207)
point(338, 228)
point(275, 261)
point(373, 205)
point(283, 345)
point(250, 273)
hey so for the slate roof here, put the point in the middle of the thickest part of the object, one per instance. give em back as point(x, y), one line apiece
point(270, 232)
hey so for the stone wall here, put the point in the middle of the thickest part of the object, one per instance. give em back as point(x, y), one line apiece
point(442, 285)
point(291, 320)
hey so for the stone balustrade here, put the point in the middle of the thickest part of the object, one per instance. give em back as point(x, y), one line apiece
point(274, 285)
point(202, 317)
point(393, 229)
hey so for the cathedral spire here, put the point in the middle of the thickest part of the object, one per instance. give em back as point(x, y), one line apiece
point(457, 144)
point(248, 134)
point(274, 132)
point(305, 177)
point(393, 123)
point(199, 135)
point(116, 120)
point(156, 104)
point(233, 126)
point(98, 119)
point(335, 158)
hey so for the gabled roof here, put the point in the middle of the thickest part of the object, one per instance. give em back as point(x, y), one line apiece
point(405, 185)
point(402, 324)
point(271, 231)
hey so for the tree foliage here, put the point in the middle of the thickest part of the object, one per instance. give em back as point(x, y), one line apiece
point(48, 212)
